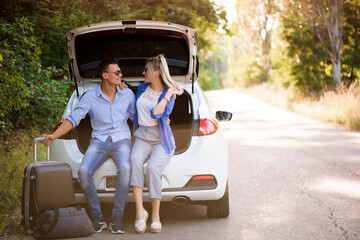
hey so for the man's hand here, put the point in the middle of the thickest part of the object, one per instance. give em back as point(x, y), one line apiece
point(48, 140)
point(64, 128)
point(168, 121)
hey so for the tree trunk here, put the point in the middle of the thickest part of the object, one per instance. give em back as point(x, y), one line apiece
point(335, 38)
point(329, 30)
point(336, 72)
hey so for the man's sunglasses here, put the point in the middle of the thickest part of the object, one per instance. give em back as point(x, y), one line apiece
point(118, 72)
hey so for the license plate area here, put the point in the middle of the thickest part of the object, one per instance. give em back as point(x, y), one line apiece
point(110, 183)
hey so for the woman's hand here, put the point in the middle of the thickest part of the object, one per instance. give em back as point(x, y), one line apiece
point(169, 93)
point(122, 85)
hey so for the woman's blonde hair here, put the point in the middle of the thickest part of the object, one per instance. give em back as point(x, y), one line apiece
point(159, 63)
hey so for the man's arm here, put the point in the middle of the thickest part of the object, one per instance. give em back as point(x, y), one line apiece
point(131, 109)
point(72, 120)
point(64, 128)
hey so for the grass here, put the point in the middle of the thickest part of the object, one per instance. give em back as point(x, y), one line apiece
point(340, 106)
point(16, 153)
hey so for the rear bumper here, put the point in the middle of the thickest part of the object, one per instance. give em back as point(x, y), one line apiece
point(166, 195)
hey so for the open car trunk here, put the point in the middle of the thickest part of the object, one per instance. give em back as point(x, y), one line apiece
point(130, 43)
point(130, 47)
point(182, 125)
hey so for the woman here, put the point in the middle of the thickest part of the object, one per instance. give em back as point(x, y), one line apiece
point(154, 140)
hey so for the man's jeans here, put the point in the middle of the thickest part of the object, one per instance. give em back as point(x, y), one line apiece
point(96, 154)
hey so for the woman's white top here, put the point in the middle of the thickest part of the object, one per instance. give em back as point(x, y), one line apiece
point(144, 104)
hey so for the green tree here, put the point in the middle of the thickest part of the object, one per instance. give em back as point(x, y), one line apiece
point(202, 15)
point(34, 59)
point(19, 55)
point(351, 41)
point(54, 18)
point(309, 61)
point(214, 65)
point(29, 94)
point(252, 41)
point(325, 20)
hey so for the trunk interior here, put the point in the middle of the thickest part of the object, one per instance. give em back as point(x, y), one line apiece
point(182, 125)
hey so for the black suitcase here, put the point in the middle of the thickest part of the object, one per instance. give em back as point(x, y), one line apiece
point(46, 185)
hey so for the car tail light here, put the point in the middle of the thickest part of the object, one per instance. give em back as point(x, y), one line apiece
point(203, 177)
point(207, 126)
point(66, 135)
point(202, 182)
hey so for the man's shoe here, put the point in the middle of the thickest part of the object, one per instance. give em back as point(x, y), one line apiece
point(116, 228)
point(99, 226)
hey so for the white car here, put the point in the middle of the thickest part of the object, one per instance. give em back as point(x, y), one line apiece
point(198, 172)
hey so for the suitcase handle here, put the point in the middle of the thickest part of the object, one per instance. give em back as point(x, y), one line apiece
point(36, 140)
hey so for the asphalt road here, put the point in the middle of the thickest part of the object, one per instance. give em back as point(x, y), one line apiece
point(290, 177)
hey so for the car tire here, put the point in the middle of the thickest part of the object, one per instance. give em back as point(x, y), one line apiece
point(219, 208)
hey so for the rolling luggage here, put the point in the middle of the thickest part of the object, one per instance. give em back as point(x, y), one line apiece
point(46, 185)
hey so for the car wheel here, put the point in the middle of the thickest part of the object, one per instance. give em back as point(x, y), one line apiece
point(219, 208)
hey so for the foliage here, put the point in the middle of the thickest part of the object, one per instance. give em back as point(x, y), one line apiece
point(29, 94)
point(309, 60)
point(309, 56)
point(281, 72)
point(209, 79)
point(33, 60)
point(303, 52)
point(52, 20)
point(213, 65)
point(198, 14)
point(245, 71)
point(325, 19)
point(253, 30)
point(351, 42)
point(15, 61)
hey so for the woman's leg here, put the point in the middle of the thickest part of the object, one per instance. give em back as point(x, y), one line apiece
point(155, 214)
point(138, 195)
point(155, 167)
point(139, 154)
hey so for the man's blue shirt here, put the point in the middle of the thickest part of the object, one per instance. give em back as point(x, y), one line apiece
point(107, 118)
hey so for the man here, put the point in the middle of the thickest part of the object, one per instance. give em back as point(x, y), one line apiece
point(109, 107)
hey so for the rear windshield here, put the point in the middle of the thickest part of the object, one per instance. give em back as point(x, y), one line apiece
point(130, 49)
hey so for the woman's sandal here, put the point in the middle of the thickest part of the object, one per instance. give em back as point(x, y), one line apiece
point(156, 227)
point(140, 225)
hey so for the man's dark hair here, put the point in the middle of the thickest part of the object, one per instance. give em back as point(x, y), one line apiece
point(104, 65)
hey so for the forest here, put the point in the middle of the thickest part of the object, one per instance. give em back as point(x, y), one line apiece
point(310, 45)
